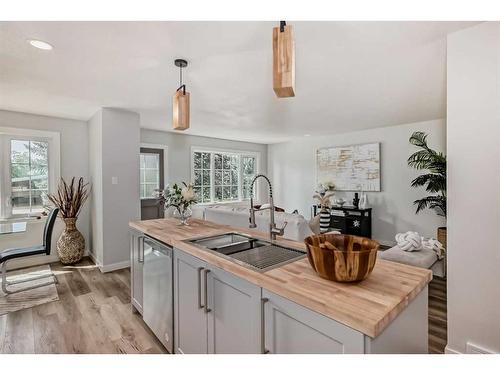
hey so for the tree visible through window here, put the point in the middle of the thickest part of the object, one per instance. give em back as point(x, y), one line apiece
point(223, 176)
point(29, 175)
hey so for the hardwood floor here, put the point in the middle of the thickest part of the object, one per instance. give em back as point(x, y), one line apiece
point(438, 334)
point(93, 315)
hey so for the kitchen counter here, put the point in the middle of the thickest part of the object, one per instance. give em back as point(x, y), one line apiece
point(368, 307)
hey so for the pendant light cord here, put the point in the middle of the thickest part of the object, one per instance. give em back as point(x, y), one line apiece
point(181, 86)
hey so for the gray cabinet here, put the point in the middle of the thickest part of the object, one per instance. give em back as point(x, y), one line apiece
point(293, 329)
point(136, 269)
point(190, 317)
point(234, 314)
point(214, 311)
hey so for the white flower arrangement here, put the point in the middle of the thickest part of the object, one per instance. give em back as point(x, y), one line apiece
point(324, 191)
point(177, 196)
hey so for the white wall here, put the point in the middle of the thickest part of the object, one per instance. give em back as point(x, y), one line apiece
point(179, 152)
point(74, 162)
point(474, 188)
point(292, 167)
point(114, 144)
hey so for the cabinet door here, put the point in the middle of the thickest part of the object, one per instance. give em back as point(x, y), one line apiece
point(234, 314)
point(136, 265)
point(190, 318)
point(293, 329)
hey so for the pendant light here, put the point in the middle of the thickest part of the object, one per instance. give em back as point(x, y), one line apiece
point(180, 102)
point(283, 61)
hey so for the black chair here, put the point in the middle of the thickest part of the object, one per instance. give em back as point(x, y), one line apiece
point(17, 253)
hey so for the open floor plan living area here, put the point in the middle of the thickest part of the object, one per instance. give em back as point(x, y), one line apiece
point(249, 187)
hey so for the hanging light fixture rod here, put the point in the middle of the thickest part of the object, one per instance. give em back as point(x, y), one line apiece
point(181, 63)
point(282, 26)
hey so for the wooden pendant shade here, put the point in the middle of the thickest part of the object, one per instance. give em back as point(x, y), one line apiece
point(180, 105)
point(283, 62)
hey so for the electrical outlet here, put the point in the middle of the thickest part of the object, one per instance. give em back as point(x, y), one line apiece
point(114, 180)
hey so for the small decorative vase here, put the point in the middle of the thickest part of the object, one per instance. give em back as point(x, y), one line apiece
point(363, 201)
point(324, 219)
point(71, 244)
point(183, 214)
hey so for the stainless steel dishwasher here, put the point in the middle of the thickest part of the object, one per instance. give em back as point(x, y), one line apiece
point(158, 291)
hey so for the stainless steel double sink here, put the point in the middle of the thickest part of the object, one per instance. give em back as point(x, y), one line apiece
point(253, 253)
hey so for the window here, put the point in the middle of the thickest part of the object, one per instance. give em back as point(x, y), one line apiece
point(149, 174)
point(223, 176)
point(29, 175)
point(29, 169)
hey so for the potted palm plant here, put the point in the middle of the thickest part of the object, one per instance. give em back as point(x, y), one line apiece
point(70, 199)
point(434, 181)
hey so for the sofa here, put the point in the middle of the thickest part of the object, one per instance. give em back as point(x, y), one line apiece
point(238, 216)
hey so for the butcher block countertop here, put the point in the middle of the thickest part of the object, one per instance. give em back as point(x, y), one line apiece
point(369, 306)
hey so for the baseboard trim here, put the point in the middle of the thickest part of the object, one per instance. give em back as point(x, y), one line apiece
point(449, 350)
point(114, 266)
point(37, 260)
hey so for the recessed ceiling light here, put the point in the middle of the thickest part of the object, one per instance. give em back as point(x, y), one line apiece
point(40, 44)
point(307, 135)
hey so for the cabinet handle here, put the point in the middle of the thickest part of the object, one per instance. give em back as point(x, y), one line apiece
point(207, 309)
point(200, 306)
point(263, 349)
point(140, 250)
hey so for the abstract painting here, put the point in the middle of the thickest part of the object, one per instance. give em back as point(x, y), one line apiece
point(351, 168)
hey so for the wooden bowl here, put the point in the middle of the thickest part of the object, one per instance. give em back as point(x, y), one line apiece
point(341, 257)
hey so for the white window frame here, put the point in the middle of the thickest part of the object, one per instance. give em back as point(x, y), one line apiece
point(240, 153)
point(166, 157)
point(8, 134)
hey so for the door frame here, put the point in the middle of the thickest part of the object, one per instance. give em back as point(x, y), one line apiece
point(147, 203)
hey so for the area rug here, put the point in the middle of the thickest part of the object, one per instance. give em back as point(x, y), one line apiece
point(28, 298)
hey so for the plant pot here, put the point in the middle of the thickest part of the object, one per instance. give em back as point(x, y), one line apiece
point(441, 236)
point(71, 244)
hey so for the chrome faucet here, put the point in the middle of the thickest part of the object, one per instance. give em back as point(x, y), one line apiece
point(273, 230)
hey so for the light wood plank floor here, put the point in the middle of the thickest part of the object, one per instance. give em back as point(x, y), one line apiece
point(438, 326)
point(93, 315)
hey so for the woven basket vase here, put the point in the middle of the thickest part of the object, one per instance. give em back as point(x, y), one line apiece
point(71, 244)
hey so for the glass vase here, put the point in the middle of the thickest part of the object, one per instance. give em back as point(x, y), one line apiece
point(183, 214)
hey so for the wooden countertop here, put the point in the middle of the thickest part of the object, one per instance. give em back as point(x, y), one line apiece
point(368, 306)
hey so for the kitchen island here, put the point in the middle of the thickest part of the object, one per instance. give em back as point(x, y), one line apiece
point(221, 306)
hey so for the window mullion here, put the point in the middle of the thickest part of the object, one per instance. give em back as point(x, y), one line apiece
point(212, 178)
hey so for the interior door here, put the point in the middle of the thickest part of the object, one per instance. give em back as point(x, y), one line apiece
point(151, 178)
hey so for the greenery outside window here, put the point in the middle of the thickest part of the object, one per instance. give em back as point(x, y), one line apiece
point(223, 176)
point(29, 169)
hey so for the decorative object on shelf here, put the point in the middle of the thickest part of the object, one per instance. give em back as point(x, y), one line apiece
point(324, 192)
point(70, 199)
point(353, 168)
point(181, 198)
point(180, 101)
point(341, 258)
point(363, 200)
point(355, 200)
point(283, 61)
point(340, 202)
point(434, 181)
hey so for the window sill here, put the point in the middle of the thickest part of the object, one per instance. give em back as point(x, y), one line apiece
point(28, 219)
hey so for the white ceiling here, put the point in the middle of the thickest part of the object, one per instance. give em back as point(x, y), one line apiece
point(349, 75)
